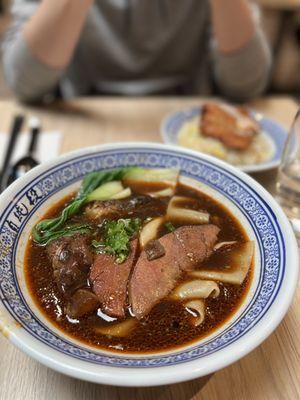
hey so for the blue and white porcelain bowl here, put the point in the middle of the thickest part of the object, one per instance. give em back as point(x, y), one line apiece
point(272, 289)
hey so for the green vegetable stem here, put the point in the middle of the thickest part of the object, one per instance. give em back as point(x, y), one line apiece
point(49, 229)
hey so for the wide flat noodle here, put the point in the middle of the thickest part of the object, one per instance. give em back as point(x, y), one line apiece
point(241, 259)
point(175, 212)
point(121, 329)
point(196, 289)
point(150, 231)
point(197, 307)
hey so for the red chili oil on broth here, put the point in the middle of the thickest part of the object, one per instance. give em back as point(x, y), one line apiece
point(168, 325)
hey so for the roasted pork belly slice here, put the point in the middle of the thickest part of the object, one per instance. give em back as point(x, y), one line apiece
point(232, 126)
point(152, 280)
point(109, 281)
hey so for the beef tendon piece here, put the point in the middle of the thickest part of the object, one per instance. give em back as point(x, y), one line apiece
point(83, 302)
point(136, 207)
point(109, 281)
point(152, 280)
point(233, 126)
point(71, 260)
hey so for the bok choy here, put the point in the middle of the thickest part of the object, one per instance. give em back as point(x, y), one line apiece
point(106, 191)
point(167, 176)
point(49, 229)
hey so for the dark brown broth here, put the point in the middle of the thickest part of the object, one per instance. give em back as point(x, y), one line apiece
point(169, 324)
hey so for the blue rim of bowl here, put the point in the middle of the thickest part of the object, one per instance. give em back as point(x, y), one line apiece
point(259, 214)
point(173, 122)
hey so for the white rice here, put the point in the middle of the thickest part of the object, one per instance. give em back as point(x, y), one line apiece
point(261, 149)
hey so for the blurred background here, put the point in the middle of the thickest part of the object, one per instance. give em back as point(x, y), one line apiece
point(281, 22)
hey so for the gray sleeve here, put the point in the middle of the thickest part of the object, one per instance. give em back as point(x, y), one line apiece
point(245, 73)
point(30, 79)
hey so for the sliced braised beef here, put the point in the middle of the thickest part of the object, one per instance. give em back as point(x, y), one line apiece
point(135, 207)
point(109, 281)
point(153, 280)
point(83, 302)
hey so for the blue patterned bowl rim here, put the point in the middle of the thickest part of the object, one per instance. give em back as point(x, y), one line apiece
point(278, 252)
point(172, 123)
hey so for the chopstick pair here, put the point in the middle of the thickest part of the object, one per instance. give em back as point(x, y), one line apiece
point(13, 137)
point(15, 130)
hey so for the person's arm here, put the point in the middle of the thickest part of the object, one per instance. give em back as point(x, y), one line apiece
point(41, 43)
point(53, 31)
point(242, 56)
point(233, 24)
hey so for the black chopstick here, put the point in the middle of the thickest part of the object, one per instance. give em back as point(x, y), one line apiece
point(35, 128)
point(13, 136)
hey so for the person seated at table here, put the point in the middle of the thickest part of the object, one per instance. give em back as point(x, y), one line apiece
point(135, 47)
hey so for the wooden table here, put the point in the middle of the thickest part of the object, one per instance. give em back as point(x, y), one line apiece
point(271, 372)
point(280, 4)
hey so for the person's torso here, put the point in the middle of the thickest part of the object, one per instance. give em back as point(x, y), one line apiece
point(141, 46)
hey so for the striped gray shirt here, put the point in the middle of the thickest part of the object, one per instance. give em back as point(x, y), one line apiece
point(138, 47)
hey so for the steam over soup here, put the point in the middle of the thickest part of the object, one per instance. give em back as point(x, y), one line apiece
point(137, 262)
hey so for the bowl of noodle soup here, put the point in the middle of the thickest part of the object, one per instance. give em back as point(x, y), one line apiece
point(275, 267)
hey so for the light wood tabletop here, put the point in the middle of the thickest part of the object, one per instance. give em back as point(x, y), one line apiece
point(280, 4)
point(270, 372)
